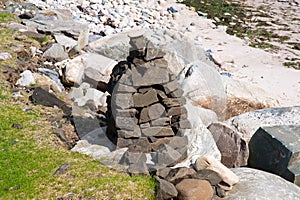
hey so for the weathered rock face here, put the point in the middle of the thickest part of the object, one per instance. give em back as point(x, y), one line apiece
point(276, 149)
point(233, 148)
point(256, 184)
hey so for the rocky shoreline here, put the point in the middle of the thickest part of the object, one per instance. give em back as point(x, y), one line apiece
point(152, 88)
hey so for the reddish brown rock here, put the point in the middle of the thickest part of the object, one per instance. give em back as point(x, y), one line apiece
point(194, 189)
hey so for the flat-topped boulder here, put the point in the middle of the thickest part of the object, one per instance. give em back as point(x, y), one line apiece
point(276, 149)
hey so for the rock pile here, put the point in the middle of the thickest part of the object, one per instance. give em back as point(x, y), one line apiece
point(146, 110)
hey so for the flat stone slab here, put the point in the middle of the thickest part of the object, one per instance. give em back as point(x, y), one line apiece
point(276, 149)
point(158, 131)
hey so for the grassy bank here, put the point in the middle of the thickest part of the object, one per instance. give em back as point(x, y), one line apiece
point(30, 154)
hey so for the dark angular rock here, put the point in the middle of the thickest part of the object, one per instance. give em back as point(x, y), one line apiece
point(84, 125)
point(63, 169)
point(206, 174)
point(126, 113)
point(142, 100)
point(177, 93)
point(138, 168)
point(57, 52)
point(185, 124)
point(135, 145)
point(177, 174)
point(166, 190)
point(125, 88)
point(167, 156)
point(43, 97)
point(153, 52)
point(233, 148)
point(158, 141)
point(163, 172)
point(277, 150)
point(131, 158)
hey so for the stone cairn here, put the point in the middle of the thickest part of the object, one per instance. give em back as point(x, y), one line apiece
point(146, 110)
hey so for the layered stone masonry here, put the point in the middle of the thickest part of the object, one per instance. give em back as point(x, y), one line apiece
point(146, 110)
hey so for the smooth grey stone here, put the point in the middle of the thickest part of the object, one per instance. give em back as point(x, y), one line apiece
point(257, 184)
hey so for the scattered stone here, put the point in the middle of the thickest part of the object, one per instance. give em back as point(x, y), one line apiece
point(166, 190)
point(63, 169)
point(5, 56)
point(209, 162)
point(41, 96)
point(57, 52)
point(177, 174)
point(96, 151)
point(17, 126)
point(27, 79)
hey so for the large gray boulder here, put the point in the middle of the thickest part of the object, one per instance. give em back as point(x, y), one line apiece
point(247, 123)
point(276, 149)
point(256, 184)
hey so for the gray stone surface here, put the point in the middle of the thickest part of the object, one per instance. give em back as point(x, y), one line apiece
point(57, 52)
point(247, 123)
point(142, 76)
point(156, 111)
point(142, 100)
point(26, 79)
point(256, 184)
point(85, 125)
point(276, 149)
point(157, 131)
point(168, 156)
point(166, 190)
point(122, 100)
point(98, 137)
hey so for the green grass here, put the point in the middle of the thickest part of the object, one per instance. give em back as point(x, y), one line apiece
point(29, 158)
point(6, 17)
